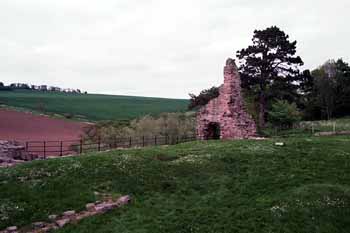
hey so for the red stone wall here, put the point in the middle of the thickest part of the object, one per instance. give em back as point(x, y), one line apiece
point(227, 109)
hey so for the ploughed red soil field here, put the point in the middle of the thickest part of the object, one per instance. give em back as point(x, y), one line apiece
point(22, 126)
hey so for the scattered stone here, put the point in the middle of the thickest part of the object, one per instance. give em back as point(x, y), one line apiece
point(96, 193)
point(99, 208)
point(124, 199)
point(62, 222)
point(259, 138)
point(225, 117)
point(12, 229)
point(85, 214)
point(38, 225)
point(12, 153)
point(53, 217)
point(69, 213)
point(72, 217)
point(46, 229)
point(105, 207)
point(90, 207)
point(280, 144)
point(5, 159)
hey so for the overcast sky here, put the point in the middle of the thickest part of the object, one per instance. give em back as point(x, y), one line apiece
point(155, 47)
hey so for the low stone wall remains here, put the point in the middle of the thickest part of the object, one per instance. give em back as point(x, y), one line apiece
point(59, 221)
point(12, 153)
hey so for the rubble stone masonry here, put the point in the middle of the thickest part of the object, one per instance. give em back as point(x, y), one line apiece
point(225, 117)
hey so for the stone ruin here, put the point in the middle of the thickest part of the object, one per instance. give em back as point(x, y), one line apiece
point(71, 216)
point(12, 153)
point(225, 117)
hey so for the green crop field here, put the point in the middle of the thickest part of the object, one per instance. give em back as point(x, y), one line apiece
point(91, 106)
point(208, 186)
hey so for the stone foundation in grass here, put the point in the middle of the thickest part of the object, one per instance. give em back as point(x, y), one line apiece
point(12, 153)
point(59, 221)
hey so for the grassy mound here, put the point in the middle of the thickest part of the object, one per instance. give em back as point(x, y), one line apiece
point(229, 186)
point(92, 107)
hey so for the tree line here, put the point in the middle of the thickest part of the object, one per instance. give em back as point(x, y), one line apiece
point(276, 87)
point(25, 86)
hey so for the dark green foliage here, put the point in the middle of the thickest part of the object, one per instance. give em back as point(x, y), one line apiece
point(306, 87)
point(269, 67)
point(4, 88)
point(342, 90)
point(232, 186)
point(284, 114)
point(91, 106)
point(203, 98)
point(330, 93)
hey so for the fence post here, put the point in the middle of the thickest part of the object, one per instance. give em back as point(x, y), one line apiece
point(177, 139)
point(312, 128)
point(143, 141)
point(81, 146)
point(129, 141)
point(166, 139)
point(155, 140)
point(44, 149)
point(61, 148)
point(99, 144)
point(115, 142)
point(27, 150)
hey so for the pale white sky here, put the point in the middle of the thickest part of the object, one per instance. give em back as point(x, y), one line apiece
point(154, 47)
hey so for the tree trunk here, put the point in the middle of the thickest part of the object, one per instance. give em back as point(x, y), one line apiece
point(262, 107)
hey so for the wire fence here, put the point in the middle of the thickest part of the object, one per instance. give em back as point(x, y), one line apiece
point(311, 128)
point(44, 149)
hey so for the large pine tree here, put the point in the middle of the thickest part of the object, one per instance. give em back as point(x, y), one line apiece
point(270, 59)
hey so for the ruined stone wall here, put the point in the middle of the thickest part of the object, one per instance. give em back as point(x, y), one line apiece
point(227, 110)
point(11, 153)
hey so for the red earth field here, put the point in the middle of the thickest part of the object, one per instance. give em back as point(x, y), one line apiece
point(23, 126)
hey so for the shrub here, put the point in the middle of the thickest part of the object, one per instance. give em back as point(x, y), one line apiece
point(284, 114)
point(172, 125)
point(203, 98)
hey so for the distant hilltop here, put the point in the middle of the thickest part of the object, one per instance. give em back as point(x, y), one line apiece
point(25, 86)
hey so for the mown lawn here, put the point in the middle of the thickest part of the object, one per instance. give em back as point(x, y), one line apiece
point(230, 186)
point(91, 106)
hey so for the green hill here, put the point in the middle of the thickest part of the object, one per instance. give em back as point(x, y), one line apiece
point(91, 106)
point(227, 186)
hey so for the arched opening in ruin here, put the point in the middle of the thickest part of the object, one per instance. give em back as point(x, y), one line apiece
point(212, 131)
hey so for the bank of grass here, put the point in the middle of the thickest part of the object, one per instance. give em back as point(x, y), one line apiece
point(90, 107)
point(228, 186)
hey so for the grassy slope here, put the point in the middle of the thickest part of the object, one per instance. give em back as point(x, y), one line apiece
point(93, 107)
point(232, 186)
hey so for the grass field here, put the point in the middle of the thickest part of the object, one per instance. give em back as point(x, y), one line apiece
point(308, 128)
point(91, 107)
point(228, 186)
